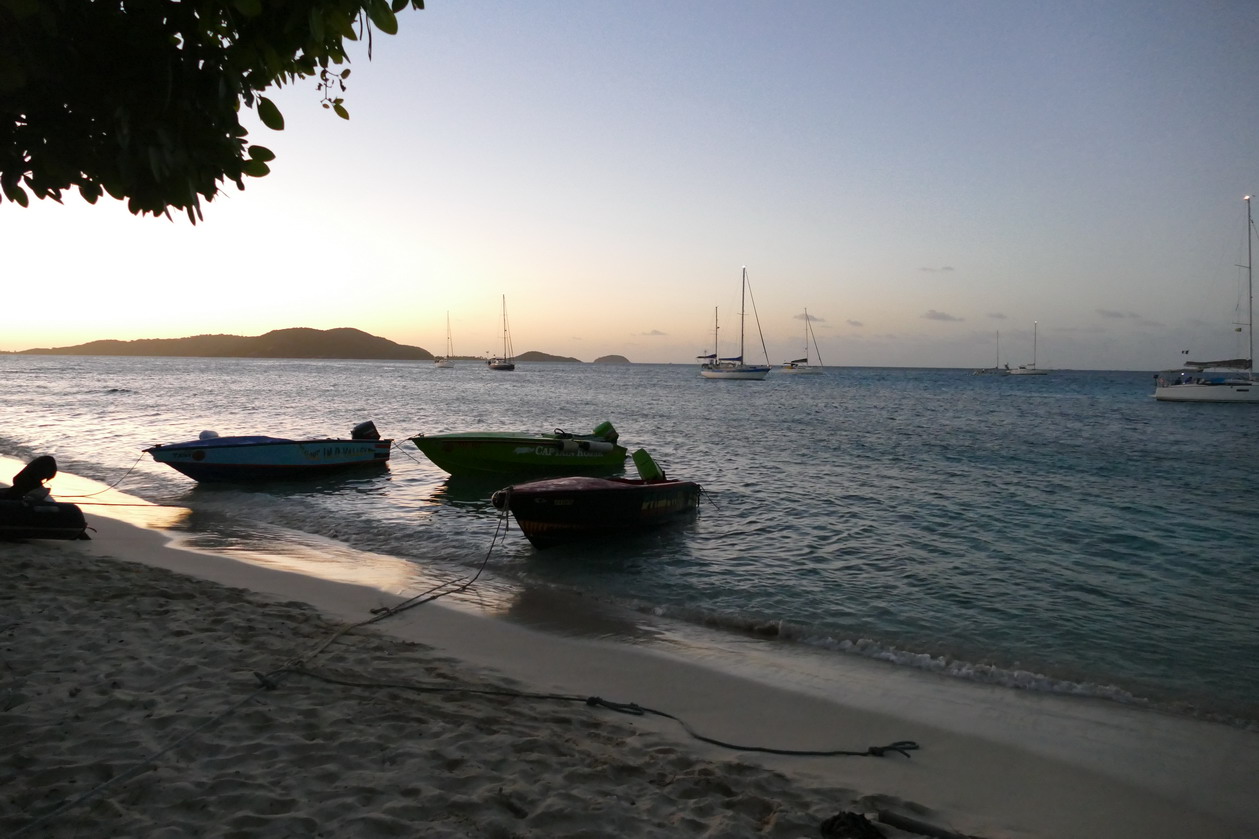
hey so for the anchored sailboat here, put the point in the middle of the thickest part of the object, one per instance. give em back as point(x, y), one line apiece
point(801, 366)
point(447, 361)
point(1229, 380)
point(712, 367)
point(996, 368)
point(1027, 369)
point(504, 361)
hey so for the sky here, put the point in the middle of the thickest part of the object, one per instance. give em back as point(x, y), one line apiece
point(933, 181)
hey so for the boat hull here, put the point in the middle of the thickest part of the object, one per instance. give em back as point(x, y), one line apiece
point(581, 509)
point(245, 459)
point(1230, 380)
point(745, 371)
point(495, 452)
point(1235, 392)
point(25, 518)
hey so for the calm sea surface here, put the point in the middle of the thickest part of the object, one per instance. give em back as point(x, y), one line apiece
point(1063, 533)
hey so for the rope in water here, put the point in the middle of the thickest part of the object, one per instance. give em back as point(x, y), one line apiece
point(108, 487)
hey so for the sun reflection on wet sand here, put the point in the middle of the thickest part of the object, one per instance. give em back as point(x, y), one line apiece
point(206, 530)
point(189, 528)
point(96, 498)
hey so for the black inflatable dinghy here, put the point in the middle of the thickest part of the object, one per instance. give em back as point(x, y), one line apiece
point(27, 512)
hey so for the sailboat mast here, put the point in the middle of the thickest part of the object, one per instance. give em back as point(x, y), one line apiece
point(808, 324)
point(1250, 286)
point(1034, 329)
point(743, 311)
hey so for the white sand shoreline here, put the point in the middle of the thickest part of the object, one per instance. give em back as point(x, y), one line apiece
point(993, 762)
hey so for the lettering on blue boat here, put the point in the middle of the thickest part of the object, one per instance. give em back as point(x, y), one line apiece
point(332, 452)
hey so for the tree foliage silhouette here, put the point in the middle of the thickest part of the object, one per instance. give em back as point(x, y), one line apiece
point(141, 99)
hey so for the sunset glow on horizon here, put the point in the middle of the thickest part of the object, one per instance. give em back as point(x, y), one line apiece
point(919, 176)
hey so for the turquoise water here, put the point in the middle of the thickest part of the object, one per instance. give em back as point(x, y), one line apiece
point(1062, 533)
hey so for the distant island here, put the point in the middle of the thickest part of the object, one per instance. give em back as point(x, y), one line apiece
point(298, 342)
point(534, 355)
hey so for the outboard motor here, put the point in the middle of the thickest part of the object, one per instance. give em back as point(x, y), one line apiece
point(27, 512)
point(365, 431)
point(32, 477)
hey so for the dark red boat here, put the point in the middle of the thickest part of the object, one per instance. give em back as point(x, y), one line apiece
point(579, 508)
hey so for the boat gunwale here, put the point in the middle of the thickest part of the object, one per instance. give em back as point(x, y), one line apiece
point(510, 436)
point(216, 444)
point(574, 483)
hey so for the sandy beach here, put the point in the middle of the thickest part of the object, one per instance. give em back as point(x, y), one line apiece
point(154, 691)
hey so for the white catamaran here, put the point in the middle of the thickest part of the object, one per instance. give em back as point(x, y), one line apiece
point(712, 367)
point(1228, 380)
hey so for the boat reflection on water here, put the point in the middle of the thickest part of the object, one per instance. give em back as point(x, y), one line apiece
point(470, 492)
point(372, 481)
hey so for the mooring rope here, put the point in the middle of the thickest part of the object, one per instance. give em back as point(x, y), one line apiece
point(108, 487)
point(297, 666)
point(903, 747)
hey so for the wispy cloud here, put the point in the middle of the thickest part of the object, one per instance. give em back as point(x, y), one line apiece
point(1091, 329)
point(813, 318)
point(997, 315)
point(943, 269)
point(945, 316)
point(856, 323)
point(654, 333)
point(1112, 313)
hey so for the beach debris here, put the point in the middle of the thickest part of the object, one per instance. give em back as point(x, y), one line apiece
point(920, 827)
point(849, 825)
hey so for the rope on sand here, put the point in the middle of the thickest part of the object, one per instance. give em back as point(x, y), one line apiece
point(903, 747)
point(297, 667)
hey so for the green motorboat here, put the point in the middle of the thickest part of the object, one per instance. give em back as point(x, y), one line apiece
point(512, 452)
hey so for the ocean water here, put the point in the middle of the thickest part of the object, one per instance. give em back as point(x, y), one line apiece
point(1064, 533)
